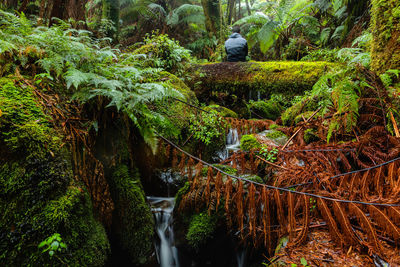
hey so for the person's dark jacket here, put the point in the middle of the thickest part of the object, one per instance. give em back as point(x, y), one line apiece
point(236, 48)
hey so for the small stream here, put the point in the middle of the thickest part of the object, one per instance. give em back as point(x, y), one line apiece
point(162, 208)
point(232, 144)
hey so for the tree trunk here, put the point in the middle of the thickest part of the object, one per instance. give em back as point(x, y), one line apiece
point(248, 7)
point(212, 12)
point(111, 9)
point(231, 6)
point(12, 4)
point(385, 26)
point(240, 10)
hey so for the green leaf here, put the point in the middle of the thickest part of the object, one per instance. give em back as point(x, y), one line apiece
point(303, 261)
point(267, 35)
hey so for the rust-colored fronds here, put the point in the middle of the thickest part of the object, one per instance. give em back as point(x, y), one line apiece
point(279, 207)
point(379, 181)
point(238, 200)
point(251, 210)
point(332, 226)
point(306, 222)
point(207, 191)
point(366, 225)
point(182, 163)
point(168, 148)
point(228, 195)
point(266, 220)
point(189, 168)
point(218, 188)
point(345, 227)
point(291, 218)
point(384, 222)
point(365, 185)
point(394, 214)
point(391, 174)
point(197, 175)
point(174, 158)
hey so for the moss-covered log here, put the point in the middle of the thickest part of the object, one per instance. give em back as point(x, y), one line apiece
point(385, 27)
point(244, 80)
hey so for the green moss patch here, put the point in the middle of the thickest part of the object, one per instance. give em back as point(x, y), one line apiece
point(133, 220)
point(222, 111)
point(249, 142)
point(240, 78)
point(269, 109)
point(201, 229)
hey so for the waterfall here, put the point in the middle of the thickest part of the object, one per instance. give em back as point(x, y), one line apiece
point(241, 257)
point(162, 208)
point(232, 144)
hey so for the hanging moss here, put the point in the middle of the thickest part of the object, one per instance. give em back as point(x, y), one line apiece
point(385, 27)
point(132, 220)
point(39, 196)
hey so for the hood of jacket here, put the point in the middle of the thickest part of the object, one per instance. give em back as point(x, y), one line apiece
point(235, 35)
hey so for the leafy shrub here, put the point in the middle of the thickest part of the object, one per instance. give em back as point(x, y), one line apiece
point(207, 127)
point(164, 52)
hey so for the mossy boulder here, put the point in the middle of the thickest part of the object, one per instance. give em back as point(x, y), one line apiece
point(201, 229)
point(222, 111)
point(249, 142)
point(39, 195)
point(269, 109)
point(133, 222)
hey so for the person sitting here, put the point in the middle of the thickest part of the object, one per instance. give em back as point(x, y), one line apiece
point(236, 46)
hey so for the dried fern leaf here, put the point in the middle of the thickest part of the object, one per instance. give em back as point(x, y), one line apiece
point(332, 226)
point(367, 226)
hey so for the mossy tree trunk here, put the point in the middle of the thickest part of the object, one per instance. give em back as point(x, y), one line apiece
point(385, 26)
point(110, 11)
point(212, 12)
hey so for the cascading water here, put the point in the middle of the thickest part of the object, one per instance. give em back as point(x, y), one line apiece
point(162, 208)
point(232, 144)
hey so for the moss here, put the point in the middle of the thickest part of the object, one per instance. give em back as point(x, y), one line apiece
point(38, 201)
point(181, 192)
point(310, 135)
point(253, 178)
point(275, 134)
point(222, 111)
point(24, 127)
point(201, 228)
point(274, 126)
point(39, 196)
point(293, 114)
point(249, 142)
point(269, 109)
point(133, 220)
point(306, 115)
point(286, 77)
point(225, 168)
point(385, 28)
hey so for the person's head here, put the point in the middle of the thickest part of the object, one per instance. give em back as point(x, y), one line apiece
point(236, 29)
